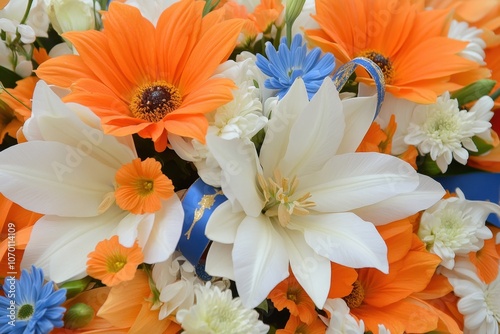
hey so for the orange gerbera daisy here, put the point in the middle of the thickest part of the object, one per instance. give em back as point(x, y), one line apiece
point(296, 326)
point(146, 80)
point(142, 186)
point(407, 42)
point(289, 294)
point(113, 263)
point(379, 298)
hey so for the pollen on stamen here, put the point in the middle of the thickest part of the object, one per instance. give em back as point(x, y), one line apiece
point(153, 101)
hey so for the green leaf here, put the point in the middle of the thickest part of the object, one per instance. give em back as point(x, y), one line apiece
point(473, 91)
point(9, 78)
point(264, 306)
point(482, 146)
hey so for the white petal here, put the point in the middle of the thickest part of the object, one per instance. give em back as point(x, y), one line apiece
point(161, 241)
point(281, 121)
point(60, 245)
point(345, 239)
point(52, 120)
point(260, 260)
point(127, 229)
point(223, 223)
point(239, 163)
point(359, 113)
point(51, 178)
point(220, 260)
point(316, 133)
point(312, 271)
point(424, 196)
point(353, 180)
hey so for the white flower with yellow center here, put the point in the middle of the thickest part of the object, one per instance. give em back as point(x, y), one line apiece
point(308, 199)
point(455, 226)
point(216, 312)
point(479, 302)
point(89, 186)
point(445, 132)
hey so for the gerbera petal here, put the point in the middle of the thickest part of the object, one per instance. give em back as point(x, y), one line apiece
point(53, 178)
point(260, 259)
point(424, 196)
point(131, 46)
point(239, 163)
point(60, 245)
point(354, 180)
point(311, 270)
point(344, 238)
point(64, 76)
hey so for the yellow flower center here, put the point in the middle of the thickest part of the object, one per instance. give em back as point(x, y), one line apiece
point(281, 202)
point(383, 62)
point(355, 298)
point(116, 263)
point(153, 101)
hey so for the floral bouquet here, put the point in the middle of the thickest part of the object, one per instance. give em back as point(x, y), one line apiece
point(282, 166)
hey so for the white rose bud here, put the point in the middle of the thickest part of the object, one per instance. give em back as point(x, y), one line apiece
point(72, 15)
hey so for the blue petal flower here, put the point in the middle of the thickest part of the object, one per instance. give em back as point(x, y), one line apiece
point(287, 64)
point(29, 305)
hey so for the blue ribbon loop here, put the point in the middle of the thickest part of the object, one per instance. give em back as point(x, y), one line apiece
point(478, 186)
point(198, 203)
point(345, 71)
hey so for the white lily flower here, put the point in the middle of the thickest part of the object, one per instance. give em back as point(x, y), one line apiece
point(294, 204)
point(456, 226)
point(67, 171)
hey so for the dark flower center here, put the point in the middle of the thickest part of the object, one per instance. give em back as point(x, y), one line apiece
point(153, 101)
point(355, 298)
point(25, 312)
point(384, 63)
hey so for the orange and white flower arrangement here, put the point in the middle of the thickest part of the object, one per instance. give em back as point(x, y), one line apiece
point(272, 166)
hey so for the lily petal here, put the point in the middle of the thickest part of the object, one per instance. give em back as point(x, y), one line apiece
point(260, 259)
point(220, 261)
point(424, 196)
point(60, 245)
point(223, 224)
point(344, 238)
point(52, 178)
point(354, 180)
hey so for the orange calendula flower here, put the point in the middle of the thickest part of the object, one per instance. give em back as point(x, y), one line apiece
point(150, 80)
point(408, 43)
point(289, 294)
point(142, 186)
point(295, 326)
point(113, 263)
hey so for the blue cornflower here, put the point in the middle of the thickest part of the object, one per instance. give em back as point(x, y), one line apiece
point(29, 305)
point(288, 64)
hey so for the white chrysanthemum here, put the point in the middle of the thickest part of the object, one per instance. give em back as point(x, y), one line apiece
point(475, 49)
point(383, 330)
point(479, 302)
point(175, 280)
point(341, 321)
point(240, 118)
point(455, 226)
point(151, 9)
point(445, 132)
point(216, 312)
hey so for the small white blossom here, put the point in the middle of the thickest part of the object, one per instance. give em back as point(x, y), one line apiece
point(475, 49)
point(341, 321)
point(445, 132)
point(455, 226)
point(479, 302)
point(216, 312)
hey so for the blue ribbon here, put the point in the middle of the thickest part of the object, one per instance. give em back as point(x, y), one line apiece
point(345, 71)
point(198, 203)
point(479, 186)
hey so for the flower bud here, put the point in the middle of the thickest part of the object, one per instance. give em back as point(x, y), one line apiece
point(78, 315)
point(473, 91)
point(293, 10)
point(72, 15)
